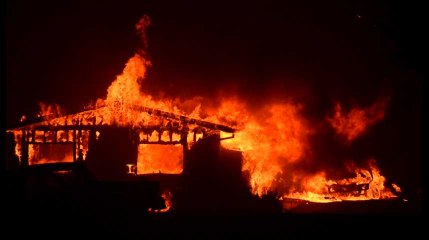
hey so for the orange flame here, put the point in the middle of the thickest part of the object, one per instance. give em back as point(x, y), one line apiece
point(356, 122)
point(159, 159)
point(124, 92)
point(48, 112)
point(270, 144)
point(47, 154)
point(168, 203)
point(367, 185)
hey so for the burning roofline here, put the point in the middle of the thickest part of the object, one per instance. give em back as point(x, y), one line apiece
point(91, 115)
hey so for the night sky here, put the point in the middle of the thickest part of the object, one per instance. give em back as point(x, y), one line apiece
point(317, 52)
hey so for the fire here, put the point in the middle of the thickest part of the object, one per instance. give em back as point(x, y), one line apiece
point(40, 154)
point(167, 198)
point(397, 188)
point(124, 93)
point(358, 120)
point(159, 159)
point(49, 111)
point(122, 98)
point(274, 142)
point(368, 184)
point(273, 139)
point(270, 143)
point(18, 150)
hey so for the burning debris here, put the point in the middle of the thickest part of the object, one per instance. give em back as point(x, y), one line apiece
point(131, 132)
point(367, 185)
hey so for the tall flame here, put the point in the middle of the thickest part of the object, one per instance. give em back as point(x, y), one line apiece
point(270, 143)
point(124, 92)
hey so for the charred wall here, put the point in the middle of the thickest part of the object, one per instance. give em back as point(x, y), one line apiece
point(107, 157)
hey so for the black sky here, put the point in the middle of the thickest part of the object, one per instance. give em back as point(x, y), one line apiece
point(68, 52)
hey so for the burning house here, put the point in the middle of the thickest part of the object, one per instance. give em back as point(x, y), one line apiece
point(159, 156)
point(112, 153)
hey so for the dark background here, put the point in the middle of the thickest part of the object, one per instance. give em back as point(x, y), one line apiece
point(315, 52)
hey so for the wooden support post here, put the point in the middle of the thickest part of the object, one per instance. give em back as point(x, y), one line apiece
point(79, 135)
point(74, 145)
point(67, 131)
point(184, 140)
point(24, 149)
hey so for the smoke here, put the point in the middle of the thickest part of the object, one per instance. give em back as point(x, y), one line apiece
point(141, 28)
point(358, 120)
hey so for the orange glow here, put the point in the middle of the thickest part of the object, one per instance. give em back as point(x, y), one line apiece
point(154, 158)
point(124, 93)
point(368, 184)
point(40, 154)
point(48, 112)
point(274, 139)
point(17, 138)
point(358, 120)
point(269, 143)
point(397, 188)
point(168, 203)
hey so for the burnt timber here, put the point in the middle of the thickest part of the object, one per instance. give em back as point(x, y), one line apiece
point(112, 148)
point(72, 127)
